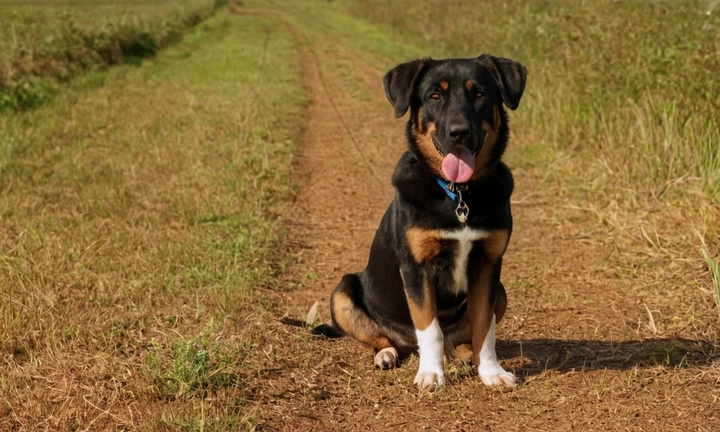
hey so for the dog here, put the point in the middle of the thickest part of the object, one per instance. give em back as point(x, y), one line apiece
point(432, 281)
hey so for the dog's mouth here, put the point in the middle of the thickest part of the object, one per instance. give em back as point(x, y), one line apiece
point(437, 146)
point(458, 165)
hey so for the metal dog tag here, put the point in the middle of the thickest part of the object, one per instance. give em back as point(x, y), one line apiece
point(462, 209)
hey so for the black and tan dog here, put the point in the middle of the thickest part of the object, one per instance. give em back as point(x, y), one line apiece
point(432, 282)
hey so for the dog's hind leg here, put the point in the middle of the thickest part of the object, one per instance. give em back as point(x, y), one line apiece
point(458, 338)
point(350, 317)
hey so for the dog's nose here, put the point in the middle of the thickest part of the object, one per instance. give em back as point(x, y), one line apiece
point(458, 132)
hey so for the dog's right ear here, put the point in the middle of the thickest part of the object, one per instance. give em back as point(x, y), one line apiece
point(400, 82)
point(510, 76)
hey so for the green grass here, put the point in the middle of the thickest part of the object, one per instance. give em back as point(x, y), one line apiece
point(140, 209)
point(43, 44)
point(194, 365)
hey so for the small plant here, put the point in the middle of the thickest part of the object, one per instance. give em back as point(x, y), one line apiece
point(194, 364)
point(26, 96)
point(714, 267)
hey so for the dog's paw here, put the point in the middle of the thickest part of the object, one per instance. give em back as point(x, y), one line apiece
point(386, 358)
point(492, 374)
point(429, 381)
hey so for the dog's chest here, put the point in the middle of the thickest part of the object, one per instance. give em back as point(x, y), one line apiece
point(446, 253)
point(463, 241)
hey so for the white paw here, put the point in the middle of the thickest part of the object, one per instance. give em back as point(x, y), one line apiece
point(492, 374)
point(429, 381)
point(431, 374)
point(386, 358)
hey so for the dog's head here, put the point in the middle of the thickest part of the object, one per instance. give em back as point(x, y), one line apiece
point(457, 124)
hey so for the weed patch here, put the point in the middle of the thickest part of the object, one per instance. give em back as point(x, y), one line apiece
point(194, 365)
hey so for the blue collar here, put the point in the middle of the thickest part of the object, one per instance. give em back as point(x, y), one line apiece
point(446, 187)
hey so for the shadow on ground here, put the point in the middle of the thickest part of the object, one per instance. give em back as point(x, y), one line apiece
point(538, 355)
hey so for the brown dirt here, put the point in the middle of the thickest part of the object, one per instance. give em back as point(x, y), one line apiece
point(592, 348)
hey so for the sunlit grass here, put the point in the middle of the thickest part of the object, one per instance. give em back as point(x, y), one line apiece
point(138, 213)
point(43, 43)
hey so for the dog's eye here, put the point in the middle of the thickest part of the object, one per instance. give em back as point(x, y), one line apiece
point(479, 95)
point(435, 96)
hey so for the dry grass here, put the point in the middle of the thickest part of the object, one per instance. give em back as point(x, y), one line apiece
point(138, 217)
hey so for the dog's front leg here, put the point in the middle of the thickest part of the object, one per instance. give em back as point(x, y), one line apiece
point(482, 301)
point(420, 293)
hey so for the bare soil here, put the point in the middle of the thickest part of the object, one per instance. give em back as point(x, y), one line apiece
point(583, 339)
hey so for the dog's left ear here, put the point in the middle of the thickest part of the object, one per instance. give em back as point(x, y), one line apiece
point(510, 76)
point(400, 82)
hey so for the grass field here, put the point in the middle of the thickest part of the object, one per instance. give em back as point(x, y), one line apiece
point(137, 213)
point(45, 42)
point(158, 218)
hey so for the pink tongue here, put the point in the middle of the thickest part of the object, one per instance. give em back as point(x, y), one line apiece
point(458, 166)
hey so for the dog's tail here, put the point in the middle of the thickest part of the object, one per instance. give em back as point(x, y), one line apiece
point(327, 330)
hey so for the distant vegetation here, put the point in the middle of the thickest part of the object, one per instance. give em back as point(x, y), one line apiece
point(634, 83)
point(43, 42)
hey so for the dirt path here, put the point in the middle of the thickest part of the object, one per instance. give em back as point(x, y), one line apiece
point(588, 357)
point(349, 151)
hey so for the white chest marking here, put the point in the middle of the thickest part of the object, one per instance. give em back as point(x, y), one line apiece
point(465, 238)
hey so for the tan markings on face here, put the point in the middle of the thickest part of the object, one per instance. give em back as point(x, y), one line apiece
point(469, 85)
point(356, 323)
point(483, 157)
point(424, 244)
point(423, 313)
point(444, 85)
point(423, 137)
point(497, 119)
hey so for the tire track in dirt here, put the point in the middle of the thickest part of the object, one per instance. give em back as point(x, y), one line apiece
point(348, 152)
